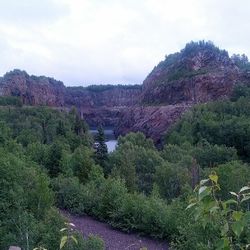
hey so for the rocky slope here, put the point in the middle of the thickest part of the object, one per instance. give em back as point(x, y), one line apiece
point(199, 73)
point(96, 104)
point(152, 121)
point(32, 90)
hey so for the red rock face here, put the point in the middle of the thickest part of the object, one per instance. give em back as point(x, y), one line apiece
point(33, 90)
point(110, 98)
point(175, 85)
point(97, 106)
point(153, 121)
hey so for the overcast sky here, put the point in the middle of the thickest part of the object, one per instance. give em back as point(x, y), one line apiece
point(84, 42)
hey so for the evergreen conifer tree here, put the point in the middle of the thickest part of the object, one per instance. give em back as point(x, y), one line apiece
point(101, 153)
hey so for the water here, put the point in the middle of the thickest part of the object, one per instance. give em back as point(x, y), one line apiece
point(111, 142)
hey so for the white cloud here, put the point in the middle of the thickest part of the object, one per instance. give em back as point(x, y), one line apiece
point(112, 41)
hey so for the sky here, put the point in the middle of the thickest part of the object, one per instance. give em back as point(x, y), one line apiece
point(83, 42)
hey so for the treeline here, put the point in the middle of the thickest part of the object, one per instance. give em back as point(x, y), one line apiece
point(105, 87)
point(10, 101)
point(178, 65)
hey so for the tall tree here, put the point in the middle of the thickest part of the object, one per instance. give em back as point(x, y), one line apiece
point(101, 153)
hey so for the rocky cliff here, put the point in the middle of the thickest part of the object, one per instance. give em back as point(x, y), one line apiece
point(102, 104)
point(199, 73)
point(32, 90)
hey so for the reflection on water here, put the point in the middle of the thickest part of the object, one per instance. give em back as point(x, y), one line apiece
point(111, 142)
point(111, 145)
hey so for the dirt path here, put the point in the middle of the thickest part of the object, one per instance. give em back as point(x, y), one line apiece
point(114, 239)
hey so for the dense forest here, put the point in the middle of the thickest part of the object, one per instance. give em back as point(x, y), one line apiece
point(48, 163)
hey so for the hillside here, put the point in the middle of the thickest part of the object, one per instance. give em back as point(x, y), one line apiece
point(199, 73)
point(48, 163)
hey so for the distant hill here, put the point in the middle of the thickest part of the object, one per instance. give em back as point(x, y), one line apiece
point(199, 73)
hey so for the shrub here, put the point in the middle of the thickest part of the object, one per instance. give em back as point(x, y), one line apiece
point(68, 193)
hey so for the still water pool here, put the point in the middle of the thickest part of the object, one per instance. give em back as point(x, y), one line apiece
point(111, 141)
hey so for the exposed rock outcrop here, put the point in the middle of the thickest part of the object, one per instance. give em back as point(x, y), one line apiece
point(33, 90)
point(102, 104)
point(199, 73)
point(153, 121)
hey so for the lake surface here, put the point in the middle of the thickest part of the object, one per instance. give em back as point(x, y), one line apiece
point(111, 141)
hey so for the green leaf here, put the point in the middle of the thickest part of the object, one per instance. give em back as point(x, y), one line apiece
point(197, 215)
point(214, 178)
point(74, 239)
point(191, 205)
point(245, 198)
point(63, 229)
point(63, 241)
point(202, 189)
point(204, 223)
point(233, 193)
point(203, 192)
point(244, 189)
point(202, 182)
point(237, 215)
point(214, 209)
point(238, 228)
point(231, 201)
point(223, 244)
point(225, 229)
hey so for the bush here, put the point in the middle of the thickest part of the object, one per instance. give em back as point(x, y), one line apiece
point(69, 194)
point(93, 243)
point(109, 200)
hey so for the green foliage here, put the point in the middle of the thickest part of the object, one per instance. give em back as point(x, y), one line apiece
point(35, 141)
point(93, 243)
point(53, 159)
point(192, 48)
point(68, 239)
point(208, 155)
point(81, 162)
point(101, 150)
point(180, 65)
point(241, 61)
point(49, 232)
point(10, 101)
point(25, 199)
point(135, 160)
point(170, 179)
point(240, 90)
point(143, 189)
point(233, 176)
point(228, 216)
point(69, 194)
point(4, 133)
point(102, 88)
point(109, 200)
point(222, 123)
point(137, 139)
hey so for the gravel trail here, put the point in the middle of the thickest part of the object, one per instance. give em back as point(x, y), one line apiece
point(113, 238)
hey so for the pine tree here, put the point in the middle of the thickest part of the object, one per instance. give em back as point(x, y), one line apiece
point(101, 153)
